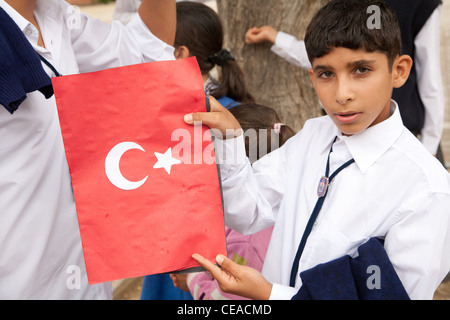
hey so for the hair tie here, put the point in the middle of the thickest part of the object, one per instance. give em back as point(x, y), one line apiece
point(277, 127)
point(221, 57)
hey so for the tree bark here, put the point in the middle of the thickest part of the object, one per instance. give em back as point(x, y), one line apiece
point(273, 81)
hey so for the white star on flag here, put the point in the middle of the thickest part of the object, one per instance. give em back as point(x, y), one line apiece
point(165, 160)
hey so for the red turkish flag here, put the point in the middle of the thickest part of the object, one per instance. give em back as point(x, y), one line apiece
point(146, 184)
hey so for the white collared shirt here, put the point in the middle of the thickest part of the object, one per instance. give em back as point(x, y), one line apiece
point(41, 254)
point(427, 64)
point(395, 190)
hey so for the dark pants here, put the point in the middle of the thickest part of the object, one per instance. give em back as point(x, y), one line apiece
point(440, 156)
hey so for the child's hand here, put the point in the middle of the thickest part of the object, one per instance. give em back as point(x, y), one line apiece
point(258, 35)
point(179, 281)
point(237, 279)
point(220, 120)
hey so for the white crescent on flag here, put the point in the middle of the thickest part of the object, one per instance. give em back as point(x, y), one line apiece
point(112, 166)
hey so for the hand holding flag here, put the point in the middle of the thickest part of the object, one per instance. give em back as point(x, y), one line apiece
point(218, 119)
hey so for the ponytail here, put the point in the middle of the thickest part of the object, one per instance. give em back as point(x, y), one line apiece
point(232, 80)
point(199, 28)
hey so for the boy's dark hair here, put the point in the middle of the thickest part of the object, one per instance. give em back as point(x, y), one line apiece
point(199, 28)
point(344, 23)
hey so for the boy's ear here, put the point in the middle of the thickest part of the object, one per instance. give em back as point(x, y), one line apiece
point(401, 70)
point(181, 52)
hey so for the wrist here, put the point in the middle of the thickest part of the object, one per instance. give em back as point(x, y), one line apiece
point(273, 36)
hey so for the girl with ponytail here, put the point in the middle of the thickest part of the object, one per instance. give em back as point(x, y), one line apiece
point(200, 33)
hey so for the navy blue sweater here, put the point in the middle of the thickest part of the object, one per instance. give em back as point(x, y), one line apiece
point(21, 69)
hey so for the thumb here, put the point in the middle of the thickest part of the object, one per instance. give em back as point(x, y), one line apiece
point(219, 118)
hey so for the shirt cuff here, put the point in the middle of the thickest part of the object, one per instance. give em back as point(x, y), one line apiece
point(152, 48)
point(230, 155)
point(282, 41)
point(291, 49)
point(280, 292)
point(231, 151)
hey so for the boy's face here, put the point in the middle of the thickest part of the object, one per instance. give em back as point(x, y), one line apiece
point(355, 87)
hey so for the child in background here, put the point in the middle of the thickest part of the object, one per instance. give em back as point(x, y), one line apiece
point(200, 34)
point(421, 99)
point(260, 125)
point(385, 184)
point(253, 118)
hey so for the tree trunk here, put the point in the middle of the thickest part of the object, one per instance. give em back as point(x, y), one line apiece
point(273, 81)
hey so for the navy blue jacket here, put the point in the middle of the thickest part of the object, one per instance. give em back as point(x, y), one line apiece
point(21, 69)
point(349, 278)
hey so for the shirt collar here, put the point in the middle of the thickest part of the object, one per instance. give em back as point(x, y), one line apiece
point(18, 19)
point(210, 84)
point(43, 8)
point(379, 137)
point(51, 8)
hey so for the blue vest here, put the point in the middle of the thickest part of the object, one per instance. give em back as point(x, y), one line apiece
point(228, 102)
point(412, 16)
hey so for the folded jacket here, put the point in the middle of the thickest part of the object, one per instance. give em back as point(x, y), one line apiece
point(21, 69)
point(370, 276)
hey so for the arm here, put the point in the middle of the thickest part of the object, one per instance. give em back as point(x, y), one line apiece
point(125, 10)
point(260, 187)
point(160, 18)
point(284, 45)
point(258, 35)
point(418, 244)
point(429, 79)
point(97, 45)
point(292, 50)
